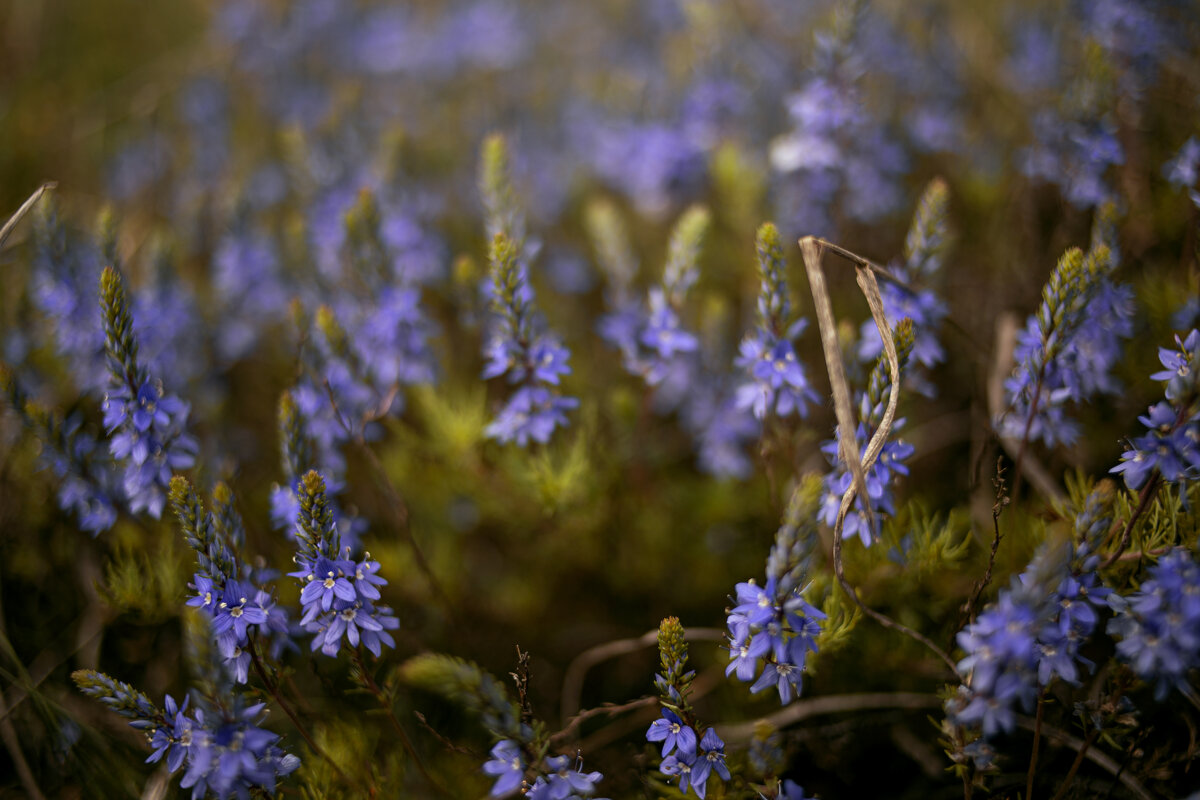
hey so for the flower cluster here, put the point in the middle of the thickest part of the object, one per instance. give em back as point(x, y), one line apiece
point(224, 750)
point(1065, 350)
point(339, 594)
point(774, 623)
point(1172, 446)
point(652, 339)
point(557, 779)
point(147, 425)
point(778, 383)
point(1159, 625)
point(66, 272)
point(836, 150)
point(225, 589)
point(656, 346)
point(1030, 635)
point(871, 408)
point(518, 345)
point(688, 755)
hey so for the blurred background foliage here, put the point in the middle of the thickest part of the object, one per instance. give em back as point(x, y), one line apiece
point(211, 127)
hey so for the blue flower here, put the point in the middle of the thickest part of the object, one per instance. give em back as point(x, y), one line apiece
point(326, 582)
point(680, 768)
point(562, 782)
point(710, 757)
point(507, 766)
point(673, 733)
point(533, 412)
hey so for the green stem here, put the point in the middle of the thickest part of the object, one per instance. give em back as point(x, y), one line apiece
point(372, 687)
point(273, 689)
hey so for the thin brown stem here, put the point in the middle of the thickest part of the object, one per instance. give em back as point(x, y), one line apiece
point(997, 509)
point(743, 732)
point(1088, 742)
point(1037, 740)
point(385, 703)
point(273, 689)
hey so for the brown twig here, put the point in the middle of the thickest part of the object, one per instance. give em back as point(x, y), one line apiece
point(742, 732)
point(998, 507)
point(521, 679)
point(1088, 742)
point(811, 247)
point(608, 709)
point(449, 745)
point(1098, 758)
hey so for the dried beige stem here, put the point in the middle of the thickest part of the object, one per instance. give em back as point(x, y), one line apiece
point(811, 248)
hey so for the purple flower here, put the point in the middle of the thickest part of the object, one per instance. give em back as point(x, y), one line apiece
point(1159, 625)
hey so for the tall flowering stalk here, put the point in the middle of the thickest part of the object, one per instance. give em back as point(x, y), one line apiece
point(1032, 633)
point(518, 346)
point(778, 383)
point(1158, 626)
point(1171, 445)
point(217, 739)
point(89, 486)
point(1046, 374)
point(338, 594)
point(688, 755)
point(774, 624)
point(226, 590)
point(147, 425)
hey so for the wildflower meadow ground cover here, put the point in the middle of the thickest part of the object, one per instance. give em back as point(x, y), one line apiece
point(626, 399)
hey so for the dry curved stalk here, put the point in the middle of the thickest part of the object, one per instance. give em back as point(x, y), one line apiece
point(743, 732)
point(25, 208)
point(812, 249)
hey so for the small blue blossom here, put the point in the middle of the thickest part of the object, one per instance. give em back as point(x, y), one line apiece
point(673, 733)
point(507, 766)
point(709, 758)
